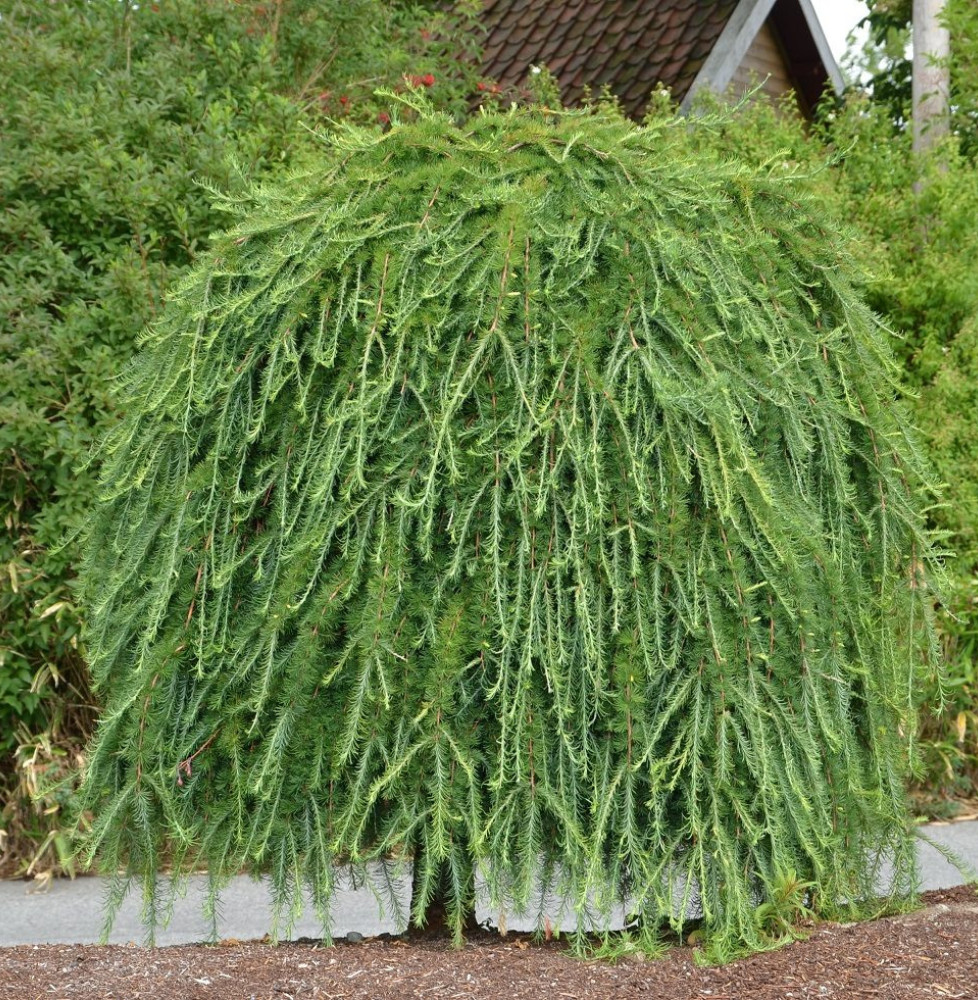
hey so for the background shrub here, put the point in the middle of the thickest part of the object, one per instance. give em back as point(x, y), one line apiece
point(117, 122)
point(919, 220)
point(911, 223)
point(946, 411)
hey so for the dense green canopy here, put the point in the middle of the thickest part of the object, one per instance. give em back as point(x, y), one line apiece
point(527, 496)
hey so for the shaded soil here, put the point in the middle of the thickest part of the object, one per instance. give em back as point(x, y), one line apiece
point(943, 809)
point(932, 953)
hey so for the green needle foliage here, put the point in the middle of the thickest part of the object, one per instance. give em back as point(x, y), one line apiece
point(528, 498)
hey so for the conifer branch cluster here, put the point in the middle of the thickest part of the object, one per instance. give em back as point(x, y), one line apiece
point(527, 497)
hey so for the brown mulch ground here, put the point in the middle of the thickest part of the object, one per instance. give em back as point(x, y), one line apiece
point(932, 954)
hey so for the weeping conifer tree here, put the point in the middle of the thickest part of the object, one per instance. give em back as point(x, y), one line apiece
point(528, 498)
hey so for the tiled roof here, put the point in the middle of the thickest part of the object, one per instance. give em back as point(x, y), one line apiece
point(630, 45)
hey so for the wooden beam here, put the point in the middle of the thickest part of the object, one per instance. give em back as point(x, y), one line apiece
point(744, 24)
point(731, 47)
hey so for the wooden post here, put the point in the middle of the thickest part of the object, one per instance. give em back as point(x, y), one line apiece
point(931, 74)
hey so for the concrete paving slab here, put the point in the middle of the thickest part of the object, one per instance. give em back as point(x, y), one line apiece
point(72, 912)
point(936, 872)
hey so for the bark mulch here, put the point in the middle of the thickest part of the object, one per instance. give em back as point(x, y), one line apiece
point(932, 954)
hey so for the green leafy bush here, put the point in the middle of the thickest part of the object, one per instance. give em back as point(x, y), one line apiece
point(947, 783)
point(950, 725)
point(919, 219)
point(523, 495)
point(104, 158)
point(116, 121)
point(911, 222)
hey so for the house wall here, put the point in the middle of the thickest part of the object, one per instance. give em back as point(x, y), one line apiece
point(763, 63)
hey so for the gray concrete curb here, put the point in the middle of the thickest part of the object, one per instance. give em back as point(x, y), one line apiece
point(72, 912)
